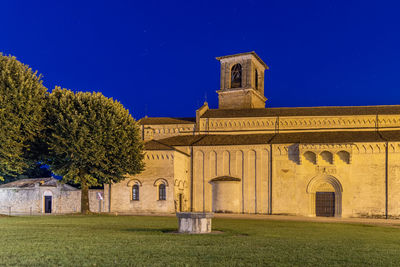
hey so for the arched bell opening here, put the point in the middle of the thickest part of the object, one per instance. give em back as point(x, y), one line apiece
point(236, 76)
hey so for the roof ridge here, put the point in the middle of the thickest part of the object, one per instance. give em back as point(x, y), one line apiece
point(169, 117)
point(270, 140)
point(167, 120)
point(198, 140)
point(362, 106)
point(303, 111)
point(162, 144)
point(173, 148)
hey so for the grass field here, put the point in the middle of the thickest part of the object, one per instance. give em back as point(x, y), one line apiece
point(148, 241)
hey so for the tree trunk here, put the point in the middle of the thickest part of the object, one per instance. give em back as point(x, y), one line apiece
point(85, 199)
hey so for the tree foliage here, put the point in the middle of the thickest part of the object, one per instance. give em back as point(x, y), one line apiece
point(36, 170)
point(22, 99)
point(91, 140)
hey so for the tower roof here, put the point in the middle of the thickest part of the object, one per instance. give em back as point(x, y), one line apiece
point(244, 54)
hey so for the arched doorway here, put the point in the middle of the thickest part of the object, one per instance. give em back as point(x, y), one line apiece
point(325, 196)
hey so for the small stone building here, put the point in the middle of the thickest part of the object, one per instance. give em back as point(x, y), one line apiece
point(44, 196)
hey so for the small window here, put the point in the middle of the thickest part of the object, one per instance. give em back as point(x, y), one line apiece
point(161, 192)
point(236, 76)
point(135, 192)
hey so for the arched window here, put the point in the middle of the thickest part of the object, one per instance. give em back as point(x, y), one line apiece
point(327, 156)
point(162, 192)
point(256, 79)
point(135, 192)
point(236, 76)
point(344, 156)
point(310, 157)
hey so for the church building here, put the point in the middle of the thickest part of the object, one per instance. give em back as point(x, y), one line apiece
point(244, 157)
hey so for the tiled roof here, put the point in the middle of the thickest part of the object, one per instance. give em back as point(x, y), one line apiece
point(225, 178)
point(155, 145)
point(281, 138)
point(183, 140)
point(246, 53)
point(30, 183)
point(302, 111)
point(166, 120)
point(328, 137)
point(218, 139)
point(240, 139)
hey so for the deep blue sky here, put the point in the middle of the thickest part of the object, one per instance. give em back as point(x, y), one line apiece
point(158, 57)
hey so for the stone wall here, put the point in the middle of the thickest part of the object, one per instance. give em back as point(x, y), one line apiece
point(354, 172)
point(240, 99)
point(182, 181)
point(249, 163)
point(222, 192)
point(31, 200)
point(162, 167)
point(359, 184)
point(296, 124)
point(166, 130)
point(96, 204)
point(19, 201)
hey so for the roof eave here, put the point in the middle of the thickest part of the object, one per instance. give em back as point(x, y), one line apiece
point(243, 54)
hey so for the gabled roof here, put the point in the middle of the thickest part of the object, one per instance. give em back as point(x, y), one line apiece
point(166, 120)
point(302, 111)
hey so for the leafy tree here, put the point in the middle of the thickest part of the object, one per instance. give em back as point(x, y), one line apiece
point(22, 99)
point(37, 170)
point(91, 140)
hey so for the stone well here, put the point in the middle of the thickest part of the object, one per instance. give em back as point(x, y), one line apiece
point(194, 222)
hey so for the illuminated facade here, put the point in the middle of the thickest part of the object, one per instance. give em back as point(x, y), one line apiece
point(245, 158)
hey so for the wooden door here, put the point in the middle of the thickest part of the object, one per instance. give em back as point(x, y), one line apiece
point(325, 204)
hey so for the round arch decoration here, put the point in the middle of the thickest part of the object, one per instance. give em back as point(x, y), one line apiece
point(159, 181)
point(325, 183)
point(47, 193)
point(132, 182)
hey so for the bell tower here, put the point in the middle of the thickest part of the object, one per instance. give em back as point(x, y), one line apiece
point(242, 81)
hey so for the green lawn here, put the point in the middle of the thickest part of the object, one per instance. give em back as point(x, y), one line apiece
point(148, 241)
